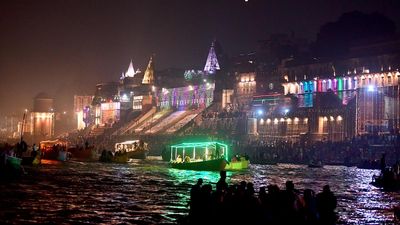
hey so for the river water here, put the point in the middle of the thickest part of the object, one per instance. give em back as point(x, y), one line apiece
point(149, 192)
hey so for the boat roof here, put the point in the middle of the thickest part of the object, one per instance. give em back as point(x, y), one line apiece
point(198, 144)
point(52, 141)
point(127, 142)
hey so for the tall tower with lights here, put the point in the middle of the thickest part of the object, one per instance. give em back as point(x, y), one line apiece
point(148, 77)
point(212, 64)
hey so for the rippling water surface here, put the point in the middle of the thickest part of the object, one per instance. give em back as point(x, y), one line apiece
point(149, 192)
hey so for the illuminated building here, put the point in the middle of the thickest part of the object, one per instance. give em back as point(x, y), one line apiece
point(106, 94)
point(82, 109)
point(375, 97)
point(245, 88)
point(341, 97)
point(42, 117)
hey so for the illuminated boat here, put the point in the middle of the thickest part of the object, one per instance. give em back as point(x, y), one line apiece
point(55, 150)
point(238, 163)
point(136, 149)
point(208, 156)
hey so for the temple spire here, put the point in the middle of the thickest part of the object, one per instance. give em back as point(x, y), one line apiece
point(131, 71)
point(148, 77)
point(212, 64)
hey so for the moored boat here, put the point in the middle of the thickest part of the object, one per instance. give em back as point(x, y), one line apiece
point(238, 163)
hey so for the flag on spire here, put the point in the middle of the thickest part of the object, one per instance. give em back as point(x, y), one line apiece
point(212, 64)
point(148, 77)
point(131, 71)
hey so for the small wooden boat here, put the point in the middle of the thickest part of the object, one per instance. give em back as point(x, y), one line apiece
point(14, 162)
point(122, 158)
point(109, 157)
point(237, 164)
point(84, 154)
point(30, 160)
point(386, 181)
point(63, 156)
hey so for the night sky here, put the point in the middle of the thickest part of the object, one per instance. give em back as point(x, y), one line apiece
point(65, 47)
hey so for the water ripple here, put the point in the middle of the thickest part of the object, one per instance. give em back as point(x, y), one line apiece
point(149, 192)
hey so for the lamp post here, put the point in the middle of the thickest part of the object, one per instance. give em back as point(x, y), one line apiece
point(23, 123)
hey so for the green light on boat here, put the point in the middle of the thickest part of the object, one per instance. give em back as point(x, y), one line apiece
point(200, 145)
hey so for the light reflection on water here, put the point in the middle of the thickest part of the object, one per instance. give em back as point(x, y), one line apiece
point(149, 192)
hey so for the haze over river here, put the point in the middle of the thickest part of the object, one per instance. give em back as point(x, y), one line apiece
point(149, 192)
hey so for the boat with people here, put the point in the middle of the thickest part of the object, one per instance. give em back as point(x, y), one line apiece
point(83, 153)
point(116, 157)
point(205, 156)
point(32, 157)
point(388, 180)
point(135, 149)
point(55, 150)
point(238, 163)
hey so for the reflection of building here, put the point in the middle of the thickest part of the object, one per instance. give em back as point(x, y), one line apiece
point(42, 117)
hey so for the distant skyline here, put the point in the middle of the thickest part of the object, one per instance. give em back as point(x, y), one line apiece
point(64, 47)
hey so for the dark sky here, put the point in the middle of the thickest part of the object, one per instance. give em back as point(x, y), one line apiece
point(64, 47)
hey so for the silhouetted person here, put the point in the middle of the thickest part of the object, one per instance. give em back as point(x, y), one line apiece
point(221, 184)
point(326, 205)
point(205, 204)
point(288, 204)
point(383, 162)
point(86, 144)
point(310, 207)
point(195, 198)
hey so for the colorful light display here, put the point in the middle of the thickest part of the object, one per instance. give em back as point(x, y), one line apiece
point(183, 97)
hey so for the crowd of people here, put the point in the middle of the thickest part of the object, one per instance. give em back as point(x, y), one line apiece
point(224, 114)
point(362, 151)
point(239, 204)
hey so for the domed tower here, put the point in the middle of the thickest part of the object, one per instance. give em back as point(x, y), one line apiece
point(43, 103)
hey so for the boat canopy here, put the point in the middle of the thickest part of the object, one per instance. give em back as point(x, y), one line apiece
point(48, 144)
point(130, 145)
point(128, 142)
point(200, 150)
